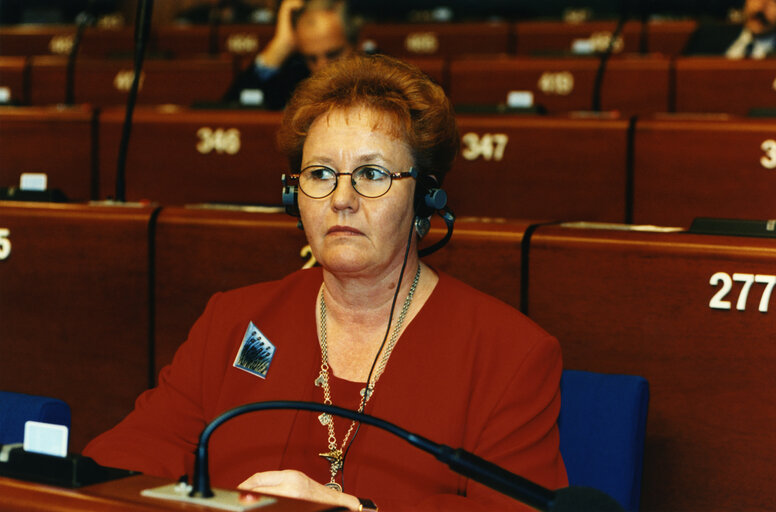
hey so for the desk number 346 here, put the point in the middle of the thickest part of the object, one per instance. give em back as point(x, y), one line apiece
point(726, 282)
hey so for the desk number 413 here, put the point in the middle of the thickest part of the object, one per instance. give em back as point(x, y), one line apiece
point(726, 282)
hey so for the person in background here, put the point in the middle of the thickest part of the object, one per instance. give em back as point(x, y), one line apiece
point(373, 328)
point(755, 38)
point(308, 35)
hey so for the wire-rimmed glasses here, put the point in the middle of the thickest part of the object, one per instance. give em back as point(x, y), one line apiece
point(318, 181)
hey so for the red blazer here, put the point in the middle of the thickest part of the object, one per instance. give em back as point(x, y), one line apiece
point(469, 371)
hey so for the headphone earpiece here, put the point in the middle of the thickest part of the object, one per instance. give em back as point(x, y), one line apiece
point(429, 198)
point(290, 197)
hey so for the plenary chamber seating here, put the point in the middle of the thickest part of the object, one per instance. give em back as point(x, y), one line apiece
point(18, 408)
point(704, 166)
point(56, 141)
point(631, 84)
point(103, 82)
point(533, 167)
point(693, 314)
point(717, 84)
point(181, 156)
point(602, 424)
point(74, 308)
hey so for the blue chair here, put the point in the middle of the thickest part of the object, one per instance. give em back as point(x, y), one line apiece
point(602, 423)
point(17, 408)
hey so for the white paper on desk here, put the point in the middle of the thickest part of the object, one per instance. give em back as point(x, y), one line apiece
point(45, 438)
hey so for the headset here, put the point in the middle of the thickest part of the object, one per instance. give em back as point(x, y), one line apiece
point(429, 198)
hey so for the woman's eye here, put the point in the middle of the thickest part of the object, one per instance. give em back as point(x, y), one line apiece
point(321, 174)
point(372, 174)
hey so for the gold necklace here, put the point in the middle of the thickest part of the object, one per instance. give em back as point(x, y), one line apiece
point(335, 455)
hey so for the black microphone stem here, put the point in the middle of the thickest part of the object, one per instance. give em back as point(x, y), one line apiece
point(458, 460)
point(142, 29)
point(84, 19)
point(599, 76)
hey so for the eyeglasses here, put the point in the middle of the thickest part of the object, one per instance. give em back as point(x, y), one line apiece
point(318, 181)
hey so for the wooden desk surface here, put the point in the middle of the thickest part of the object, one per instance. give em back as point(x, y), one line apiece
point(107, 82)
point(632, 84)
point(185, 156)
point(12, 79)
point(53, 140)
point(537, 167)
point(717, 84)
point(543, 37)
point(117, 495)
point(446, 40)
point(656, 305)
point(74, 308)
point(714, 166)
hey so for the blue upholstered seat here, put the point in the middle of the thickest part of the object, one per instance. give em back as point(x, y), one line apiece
point(602, 424)
point(17, 408)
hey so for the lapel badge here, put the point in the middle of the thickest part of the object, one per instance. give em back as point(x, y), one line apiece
point(256, 352)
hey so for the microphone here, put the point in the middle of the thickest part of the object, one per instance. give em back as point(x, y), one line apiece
point(142, 29)
point(83, 20)
point(599, 76)
point(459, 460)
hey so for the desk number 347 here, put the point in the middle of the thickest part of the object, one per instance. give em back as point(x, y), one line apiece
point(726, 282)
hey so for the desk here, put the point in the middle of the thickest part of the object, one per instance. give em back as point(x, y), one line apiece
point(107, 82)
point(12, 81)
point(716, 84)
point(29, 40)
point(57, 141)
point(540, 168)
point(650, 304)
point(446, 40)
point(118, 495)
point(74, 308)
point(632, 84)
point(669, 37)
point(715, 166)
point(182, 156)
point(555, 37)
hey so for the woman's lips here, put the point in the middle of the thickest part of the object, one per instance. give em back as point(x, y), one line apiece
point(343, 230)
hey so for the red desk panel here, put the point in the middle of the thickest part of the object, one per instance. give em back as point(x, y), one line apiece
point(716, 84)
point(181, 156)
point(540, 168)
point(12, 80)
point(632, 84)
point(557, 37)
point(29, 40)
point(107, 82)
point(55, 141)
point(647, 304)
point(669, 37)
point(705, 167)
point(445, 40)
point(74, 308)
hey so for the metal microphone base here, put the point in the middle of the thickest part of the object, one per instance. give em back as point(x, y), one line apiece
point(223, 499)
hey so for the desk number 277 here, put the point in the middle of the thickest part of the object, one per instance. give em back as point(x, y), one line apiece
point(726, 282)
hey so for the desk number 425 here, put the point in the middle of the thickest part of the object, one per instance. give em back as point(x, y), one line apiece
point(726, 282)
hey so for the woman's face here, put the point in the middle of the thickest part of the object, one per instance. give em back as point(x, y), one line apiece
point(349, 233)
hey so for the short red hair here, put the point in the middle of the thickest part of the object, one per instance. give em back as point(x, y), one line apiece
point(382, 83)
